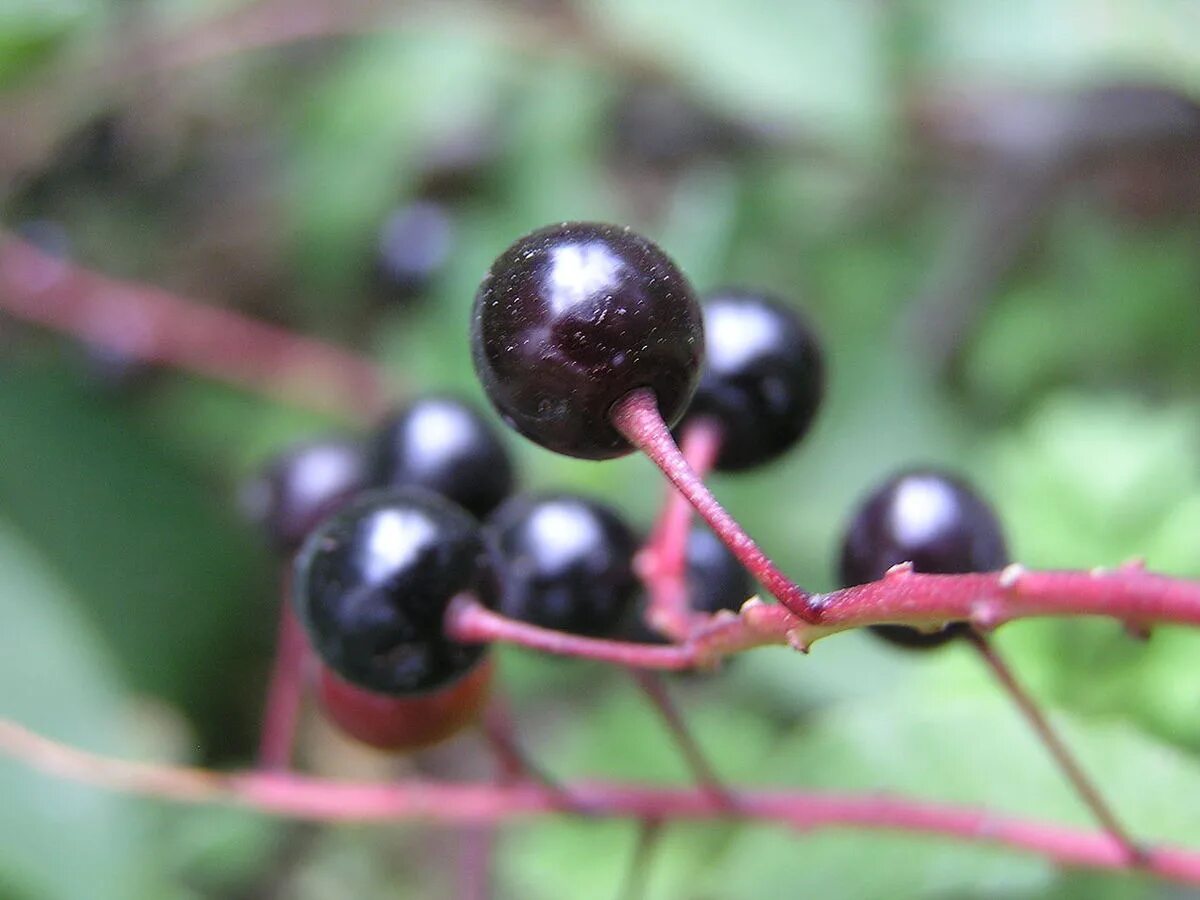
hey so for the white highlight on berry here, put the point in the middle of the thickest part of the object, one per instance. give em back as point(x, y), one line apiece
point(579, 272)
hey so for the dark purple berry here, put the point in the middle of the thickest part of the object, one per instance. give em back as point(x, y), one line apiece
point(300, 487)
point(565, 562)
point(715, 579)
point(444, 445)
point(762, 379)
point(414, 245)
point(931, 519)
point(372, 583)
point(572, 318)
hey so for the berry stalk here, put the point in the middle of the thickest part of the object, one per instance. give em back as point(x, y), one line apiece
point(285, 690)
point(636, 417)
point(662, 563)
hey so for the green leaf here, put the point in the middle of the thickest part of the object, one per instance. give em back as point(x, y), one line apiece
point(814, 65)
point(57, 838)
point(153, 552)
point(951, 736)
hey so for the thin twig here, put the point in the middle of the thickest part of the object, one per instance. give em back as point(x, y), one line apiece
point(297, 797)
point(153, 325)
point(285, 690)
point(1087, 790)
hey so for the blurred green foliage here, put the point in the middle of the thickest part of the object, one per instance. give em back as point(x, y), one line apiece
point(139, 611)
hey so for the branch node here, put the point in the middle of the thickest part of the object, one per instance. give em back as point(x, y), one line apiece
point(987, 615)
point(1010, 575)
point(798, 640)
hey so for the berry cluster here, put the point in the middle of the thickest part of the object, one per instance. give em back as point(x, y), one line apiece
point(569, 322)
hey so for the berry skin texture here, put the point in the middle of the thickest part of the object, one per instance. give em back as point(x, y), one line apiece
point(931, 519)
point(443, 445)
point(573, 317)
point(300, 487)
point(404, 723)
point(565, 562)
point(372, 583)
point(762, 380)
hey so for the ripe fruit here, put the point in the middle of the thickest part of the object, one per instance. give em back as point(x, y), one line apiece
point(443, 445)
point(414, 245)
point(715, 579)
point(372, 584)
point(565, 562)
point(931, 519)
point(408, 722)
point(573, 317)
point(763, 377)
point(300, 487)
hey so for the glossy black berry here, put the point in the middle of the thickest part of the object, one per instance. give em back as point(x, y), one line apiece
point(572, 318)
point(372, 584)
point(565, 562)
point(295, 490)
point(715, 579)
point(415, 243)
point(931, 519)
point(444, 445)
point(763, 377)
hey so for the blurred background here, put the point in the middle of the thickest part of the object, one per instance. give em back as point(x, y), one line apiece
point(991, 211)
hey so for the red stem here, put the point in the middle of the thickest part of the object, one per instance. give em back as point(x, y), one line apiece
point(469, 621)
point(902, 597)
point(299, 797)
point(156, 326)
point(989, 599)
point(637, 418)
point(1063, 757)
point(662, 564)
point(285, 691)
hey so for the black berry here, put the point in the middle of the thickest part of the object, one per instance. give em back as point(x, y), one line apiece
point(931, 519)
point(715, 579)
point(300, 487)
point(414, 245)
point(444, 445)
point(763, 377)
point(565, 562)
point(372, 584)
point(572, 318)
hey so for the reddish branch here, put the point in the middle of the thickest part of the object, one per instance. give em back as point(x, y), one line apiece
point(298, 797)
point(153, 325)
point(1129, 594)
